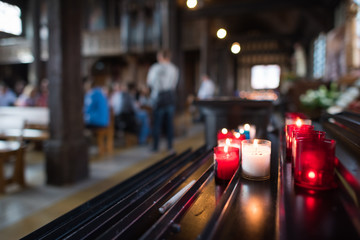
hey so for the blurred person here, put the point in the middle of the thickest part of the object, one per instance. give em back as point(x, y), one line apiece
point(207, 88)
point(7, 96)
point(123, 105)
point(28, 97)
point(19, 87)
point(142, 116)
point(96, 107)
point(162, 79)
point(206, 91)
point(42, 98)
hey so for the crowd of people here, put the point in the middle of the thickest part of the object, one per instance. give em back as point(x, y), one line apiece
point(144, 110)
point(24, 95)
point(130, 104)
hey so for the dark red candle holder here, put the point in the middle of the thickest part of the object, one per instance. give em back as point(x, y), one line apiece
point(224, 133)
point(320, 135)
point(226, 161)
point(315, 163)
point(289, 136)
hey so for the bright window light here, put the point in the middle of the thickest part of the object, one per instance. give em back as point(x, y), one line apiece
point(10, 19)
point(265, 76)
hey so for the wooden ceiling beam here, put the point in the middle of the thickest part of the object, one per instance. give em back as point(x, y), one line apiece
point(227, 8)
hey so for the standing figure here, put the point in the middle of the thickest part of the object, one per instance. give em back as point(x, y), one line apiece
point(162, 79)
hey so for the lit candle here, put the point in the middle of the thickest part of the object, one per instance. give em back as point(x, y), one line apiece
point(224, 133)
point(298, 126)
point(256, 159)
point(315, 163)
point(247, 130)
point(320, 135)
point(230, 142)
point(226, 161)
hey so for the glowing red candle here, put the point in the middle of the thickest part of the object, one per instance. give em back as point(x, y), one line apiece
point(223, 134)
point(299, 127)
point(316, 135)
point(226, 162)
point(315, 163)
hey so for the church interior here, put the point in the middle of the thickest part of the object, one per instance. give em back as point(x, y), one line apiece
point(260, 136)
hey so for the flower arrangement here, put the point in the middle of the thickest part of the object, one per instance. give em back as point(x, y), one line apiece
point(323, 97)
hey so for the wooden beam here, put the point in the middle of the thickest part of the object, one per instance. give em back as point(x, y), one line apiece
point(227, 8)
point(66, 151)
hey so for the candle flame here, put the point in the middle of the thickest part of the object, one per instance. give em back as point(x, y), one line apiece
point(227, 141)
point(226, 148)
point(298, 122)
point(247, 127)
point(256, 141)
point(311, 175)
point(224, 131)
point(237, 135)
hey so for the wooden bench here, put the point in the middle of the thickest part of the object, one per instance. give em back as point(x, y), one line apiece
point(12, 151)
point(105, 137)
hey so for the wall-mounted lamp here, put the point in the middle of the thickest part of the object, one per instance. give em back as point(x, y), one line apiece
point(191, 3)
point(235, 48)
point(221, 33)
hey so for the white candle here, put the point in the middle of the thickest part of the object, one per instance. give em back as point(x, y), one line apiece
point(256, 159)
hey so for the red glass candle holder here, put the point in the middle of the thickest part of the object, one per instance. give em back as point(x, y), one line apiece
point(315, 135)
point(295, 115)
point(289, 136)
point(224, 133)
point(226, 162)
point(315, 163)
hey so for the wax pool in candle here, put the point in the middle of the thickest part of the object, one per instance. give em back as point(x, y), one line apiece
point(256, 159)
point(226, 161)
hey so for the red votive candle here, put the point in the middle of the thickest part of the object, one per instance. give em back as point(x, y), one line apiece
point(238, 136)
point(226, 161)
point(299, 127)
point(316, 135)
point(224, 133)
point(315, 163)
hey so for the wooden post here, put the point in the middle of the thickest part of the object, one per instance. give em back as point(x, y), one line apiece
point(66, 151)
point(34, 74)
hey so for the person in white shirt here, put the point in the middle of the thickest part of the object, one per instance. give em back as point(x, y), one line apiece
point(206, 91)
point(207, 88)
point(162, 79)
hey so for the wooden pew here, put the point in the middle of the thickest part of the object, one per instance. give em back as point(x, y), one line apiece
point(105, 136)
point(12, 150)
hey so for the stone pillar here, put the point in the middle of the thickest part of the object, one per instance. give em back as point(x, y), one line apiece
point(66, 151)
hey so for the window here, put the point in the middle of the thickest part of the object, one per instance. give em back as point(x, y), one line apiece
point(265, 76)
point(319, 56)
point(357, 35)
point(10, 19)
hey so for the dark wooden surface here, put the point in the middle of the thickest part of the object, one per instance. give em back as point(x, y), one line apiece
point(213, 209)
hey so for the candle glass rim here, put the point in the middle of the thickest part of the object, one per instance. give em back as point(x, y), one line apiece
point(230, 148)
point(259, 141)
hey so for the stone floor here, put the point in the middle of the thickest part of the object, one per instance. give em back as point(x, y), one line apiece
point(25, 210)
